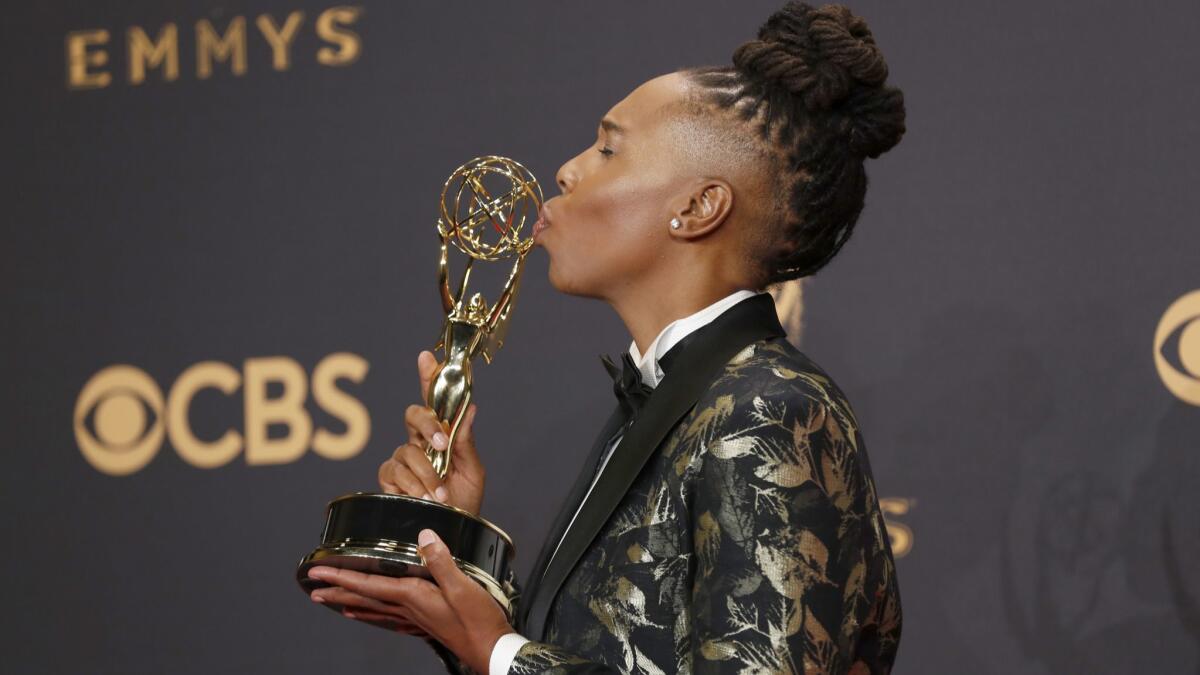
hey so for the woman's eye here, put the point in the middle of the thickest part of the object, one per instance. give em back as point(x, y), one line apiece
point(605, 151)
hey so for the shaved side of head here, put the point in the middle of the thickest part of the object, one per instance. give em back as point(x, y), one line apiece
point(715, 143)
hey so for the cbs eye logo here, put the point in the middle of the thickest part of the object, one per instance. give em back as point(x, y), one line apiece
point(121, 417)
point(125, 439)
point(1177, 348)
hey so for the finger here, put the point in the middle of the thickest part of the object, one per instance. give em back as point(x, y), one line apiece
point(417, 462)
point(426, 365)
point(382, 620)
point(386, 482)
point(385, 623)
point(474, 607)
point(455, 585)
point(395, 474)
point(389, 482)
point(424, 427)
point(355, 602)
point(388, 622)
point(413, 593)
point(401, 624)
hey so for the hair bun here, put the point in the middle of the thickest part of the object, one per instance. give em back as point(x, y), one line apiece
point(816, 54)
point(871, 120)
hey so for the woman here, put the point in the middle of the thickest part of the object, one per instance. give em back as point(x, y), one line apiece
point(727, 519)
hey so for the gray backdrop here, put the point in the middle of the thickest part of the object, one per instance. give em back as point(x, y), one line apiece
point(995, 321)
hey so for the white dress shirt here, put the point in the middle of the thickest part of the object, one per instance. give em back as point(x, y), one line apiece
point(508, 645)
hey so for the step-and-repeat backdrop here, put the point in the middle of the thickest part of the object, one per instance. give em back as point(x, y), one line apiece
point(219, 267)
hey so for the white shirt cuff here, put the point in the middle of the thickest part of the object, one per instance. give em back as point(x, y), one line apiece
point(504, 652)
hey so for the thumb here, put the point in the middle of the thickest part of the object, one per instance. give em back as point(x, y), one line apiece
point(427, 363)
point(453, 581)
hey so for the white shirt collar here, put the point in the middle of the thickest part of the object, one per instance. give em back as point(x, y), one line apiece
point(675, 331)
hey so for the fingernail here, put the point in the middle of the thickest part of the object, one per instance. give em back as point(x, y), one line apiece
point(349, 614)
point(426, 537)
point(316, 573)
point(440, 441)
point(426, 497)
point(317, 598)
point(442, 494)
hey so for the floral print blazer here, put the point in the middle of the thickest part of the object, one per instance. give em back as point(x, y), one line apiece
point(744, 535)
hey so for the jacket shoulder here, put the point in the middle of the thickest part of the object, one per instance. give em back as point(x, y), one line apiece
point(774, 370)
point(772, 409)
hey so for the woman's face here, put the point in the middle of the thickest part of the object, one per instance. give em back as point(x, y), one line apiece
point(609, 226)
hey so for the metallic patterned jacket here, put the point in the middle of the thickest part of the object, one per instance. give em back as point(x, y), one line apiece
point(735, 529)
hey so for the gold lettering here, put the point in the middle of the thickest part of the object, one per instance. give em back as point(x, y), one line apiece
point(231, 46)
point(194, 451)
point(349, 43)
point(288, 410)
point(143, 53)
point(900, 536)
point(341, 405)
point(280, 40)
point(79, 58)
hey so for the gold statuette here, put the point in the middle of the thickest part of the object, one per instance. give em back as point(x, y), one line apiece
point(485, 205)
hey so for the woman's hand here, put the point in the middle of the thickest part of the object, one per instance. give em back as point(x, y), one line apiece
point(409, 472)
point(455, 611)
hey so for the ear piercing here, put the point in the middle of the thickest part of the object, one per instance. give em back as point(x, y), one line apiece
point(675, 224)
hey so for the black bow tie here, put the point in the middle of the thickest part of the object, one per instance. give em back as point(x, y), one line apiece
point(631, 391)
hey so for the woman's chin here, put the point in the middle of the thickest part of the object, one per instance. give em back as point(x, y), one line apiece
point(560, 284)
point(565, 283)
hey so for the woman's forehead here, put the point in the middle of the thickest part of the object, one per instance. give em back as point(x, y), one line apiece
point(640, 107)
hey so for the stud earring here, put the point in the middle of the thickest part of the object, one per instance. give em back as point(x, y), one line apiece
point(675, 224)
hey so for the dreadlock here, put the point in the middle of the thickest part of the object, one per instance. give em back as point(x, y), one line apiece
point(812, 89)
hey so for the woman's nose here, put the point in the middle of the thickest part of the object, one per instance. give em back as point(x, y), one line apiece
point(565, 177)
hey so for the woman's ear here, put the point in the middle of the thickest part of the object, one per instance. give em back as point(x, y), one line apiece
point(707, 209)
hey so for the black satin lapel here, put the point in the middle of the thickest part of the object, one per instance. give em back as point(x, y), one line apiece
point(692, 369)
point(566, 512)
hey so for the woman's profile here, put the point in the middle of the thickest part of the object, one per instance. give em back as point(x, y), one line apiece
point(726, 519)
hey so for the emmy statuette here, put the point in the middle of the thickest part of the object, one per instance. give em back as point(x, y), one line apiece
point(484, 207)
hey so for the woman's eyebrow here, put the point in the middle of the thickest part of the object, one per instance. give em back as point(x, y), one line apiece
point(611, 126)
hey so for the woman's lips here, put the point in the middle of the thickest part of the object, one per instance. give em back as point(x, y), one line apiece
point(542, 223)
